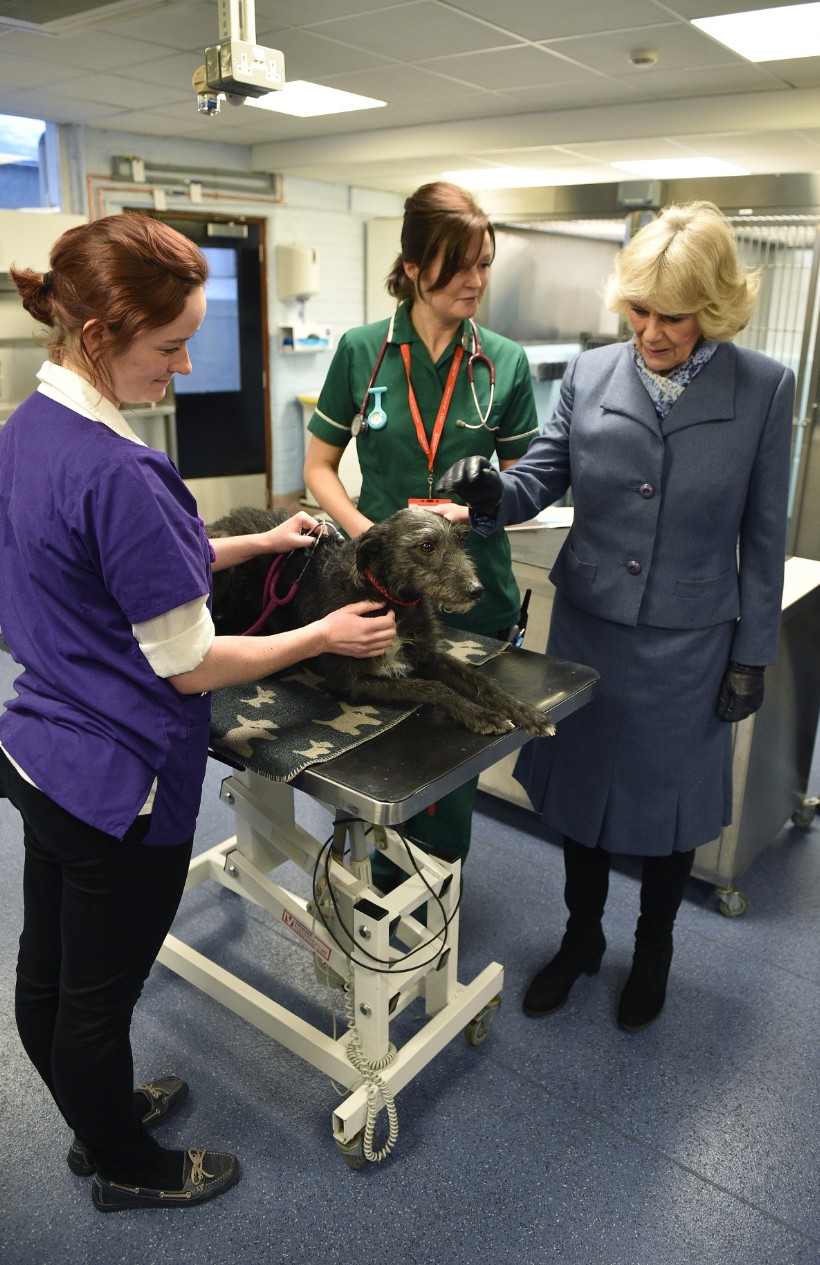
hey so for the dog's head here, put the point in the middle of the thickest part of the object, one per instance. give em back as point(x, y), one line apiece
point(416, 553)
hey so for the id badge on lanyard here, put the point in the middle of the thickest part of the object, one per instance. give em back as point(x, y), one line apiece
point(430, 448)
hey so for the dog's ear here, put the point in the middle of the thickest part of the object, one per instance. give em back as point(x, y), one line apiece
point(368, 547)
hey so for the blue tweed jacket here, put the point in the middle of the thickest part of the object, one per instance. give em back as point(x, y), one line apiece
point(679, 523)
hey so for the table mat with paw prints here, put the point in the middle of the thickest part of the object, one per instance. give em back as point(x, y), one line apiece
point(280, 725)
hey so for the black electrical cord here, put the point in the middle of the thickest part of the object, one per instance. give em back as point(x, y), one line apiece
point(381, 965)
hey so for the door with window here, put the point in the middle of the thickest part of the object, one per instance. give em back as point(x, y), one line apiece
point(222, 420)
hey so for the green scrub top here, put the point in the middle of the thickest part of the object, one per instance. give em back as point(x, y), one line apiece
point(394, 465)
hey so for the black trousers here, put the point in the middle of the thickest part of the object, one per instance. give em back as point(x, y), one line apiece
point(96, 911)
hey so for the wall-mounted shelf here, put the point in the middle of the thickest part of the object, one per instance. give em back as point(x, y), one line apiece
point(304, 337)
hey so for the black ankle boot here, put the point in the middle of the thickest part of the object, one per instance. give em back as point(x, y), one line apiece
point(645, 990)
point(553, 984)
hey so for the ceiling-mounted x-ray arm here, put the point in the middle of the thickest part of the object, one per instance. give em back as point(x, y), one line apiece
point(237, 67)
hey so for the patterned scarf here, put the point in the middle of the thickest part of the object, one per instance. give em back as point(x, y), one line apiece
point(665, 389)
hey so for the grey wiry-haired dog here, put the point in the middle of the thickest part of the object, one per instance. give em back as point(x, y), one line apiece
point(413, 562)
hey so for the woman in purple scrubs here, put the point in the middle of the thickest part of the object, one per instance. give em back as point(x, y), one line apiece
point(105, 589)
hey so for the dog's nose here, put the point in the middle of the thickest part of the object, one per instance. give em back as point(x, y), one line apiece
point(475, 592)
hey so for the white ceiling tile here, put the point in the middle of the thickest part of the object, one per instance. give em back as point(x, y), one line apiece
point(401, 82)
point(535, 157)
point(307, 12)
point(787, 161)
point(93, 50)
point(416, 29)
point(523, 66)
point(473, 105)
point(756, 144)
point(799, 72)
point(175, 71)
point(181, 24)
point(551, 19)
point(642, 150)
point(311, 56)
point(677, 46)
point(594, 91)
point(712, 8)
point(112, 91)
point(24, 71)
point(658, 85)
point(37, 103)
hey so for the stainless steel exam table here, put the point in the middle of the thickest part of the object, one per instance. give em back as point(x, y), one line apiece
point(370, 945)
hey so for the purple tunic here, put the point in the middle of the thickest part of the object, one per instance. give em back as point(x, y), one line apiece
point(98, 533)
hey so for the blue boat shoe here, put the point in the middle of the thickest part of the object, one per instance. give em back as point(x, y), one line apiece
point(205, 1175)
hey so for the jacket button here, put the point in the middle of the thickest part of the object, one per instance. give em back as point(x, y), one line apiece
point(647, 491)
point(633, 567)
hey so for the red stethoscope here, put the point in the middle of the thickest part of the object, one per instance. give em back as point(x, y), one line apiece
point(378, 418)
point(478, 358)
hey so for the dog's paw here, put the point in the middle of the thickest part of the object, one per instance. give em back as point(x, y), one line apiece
point(489, 724)
point(543, 726)
point(536, 722)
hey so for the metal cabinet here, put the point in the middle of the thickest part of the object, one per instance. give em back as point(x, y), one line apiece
point(773, 749)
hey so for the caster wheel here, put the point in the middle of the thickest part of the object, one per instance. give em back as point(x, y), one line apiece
point(806, 813)
point(352, 1151)
point(732, 902)
point(478, 1029)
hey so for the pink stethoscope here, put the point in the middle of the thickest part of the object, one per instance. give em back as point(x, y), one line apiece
point(270, 598)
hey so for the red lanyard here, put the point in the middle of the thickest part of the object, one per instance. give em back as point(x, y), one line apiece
point(431, 448)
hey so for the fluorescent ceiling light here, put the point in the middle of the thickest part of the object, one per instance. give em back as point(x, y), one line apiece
point(681, 168)
point(500, 178)
point(306, 100)
point(768, 34)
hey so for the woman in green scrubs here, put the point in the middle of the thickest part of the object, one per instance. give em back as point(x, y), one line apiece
point(417, 393)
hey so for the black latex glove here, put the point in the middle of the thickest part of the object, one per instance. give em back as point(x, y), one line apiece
point(476, 481)
point(741, 692)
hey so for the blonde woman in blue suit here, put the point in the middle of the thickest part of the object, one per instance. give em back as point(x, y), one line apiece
point(676, 445)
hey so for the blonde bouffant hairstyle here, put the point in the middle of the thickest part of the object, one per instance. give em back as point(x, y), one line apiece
point(685, 262)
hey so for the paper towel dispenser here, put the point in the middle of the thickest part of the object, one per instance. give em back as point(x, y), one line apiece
point(297, 272)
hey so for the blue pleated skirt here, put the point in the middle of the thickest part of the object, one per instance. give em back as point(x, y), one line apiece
point(645, 768)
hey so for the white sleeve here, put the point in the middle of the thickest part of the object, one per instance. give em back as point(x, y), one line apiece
point(179, 640)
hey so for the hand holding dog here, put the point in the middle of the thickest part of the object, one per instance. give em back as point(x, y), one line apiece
point(300, 531)
point(452, 512)
point(356, 631)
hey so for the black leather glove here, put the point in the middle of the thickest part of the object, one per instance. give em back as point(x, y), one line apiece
point(741, 692)
point(476, 481)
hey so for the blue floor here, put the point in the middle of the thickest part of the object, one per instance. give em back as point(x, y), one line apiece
point(561, 1139)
